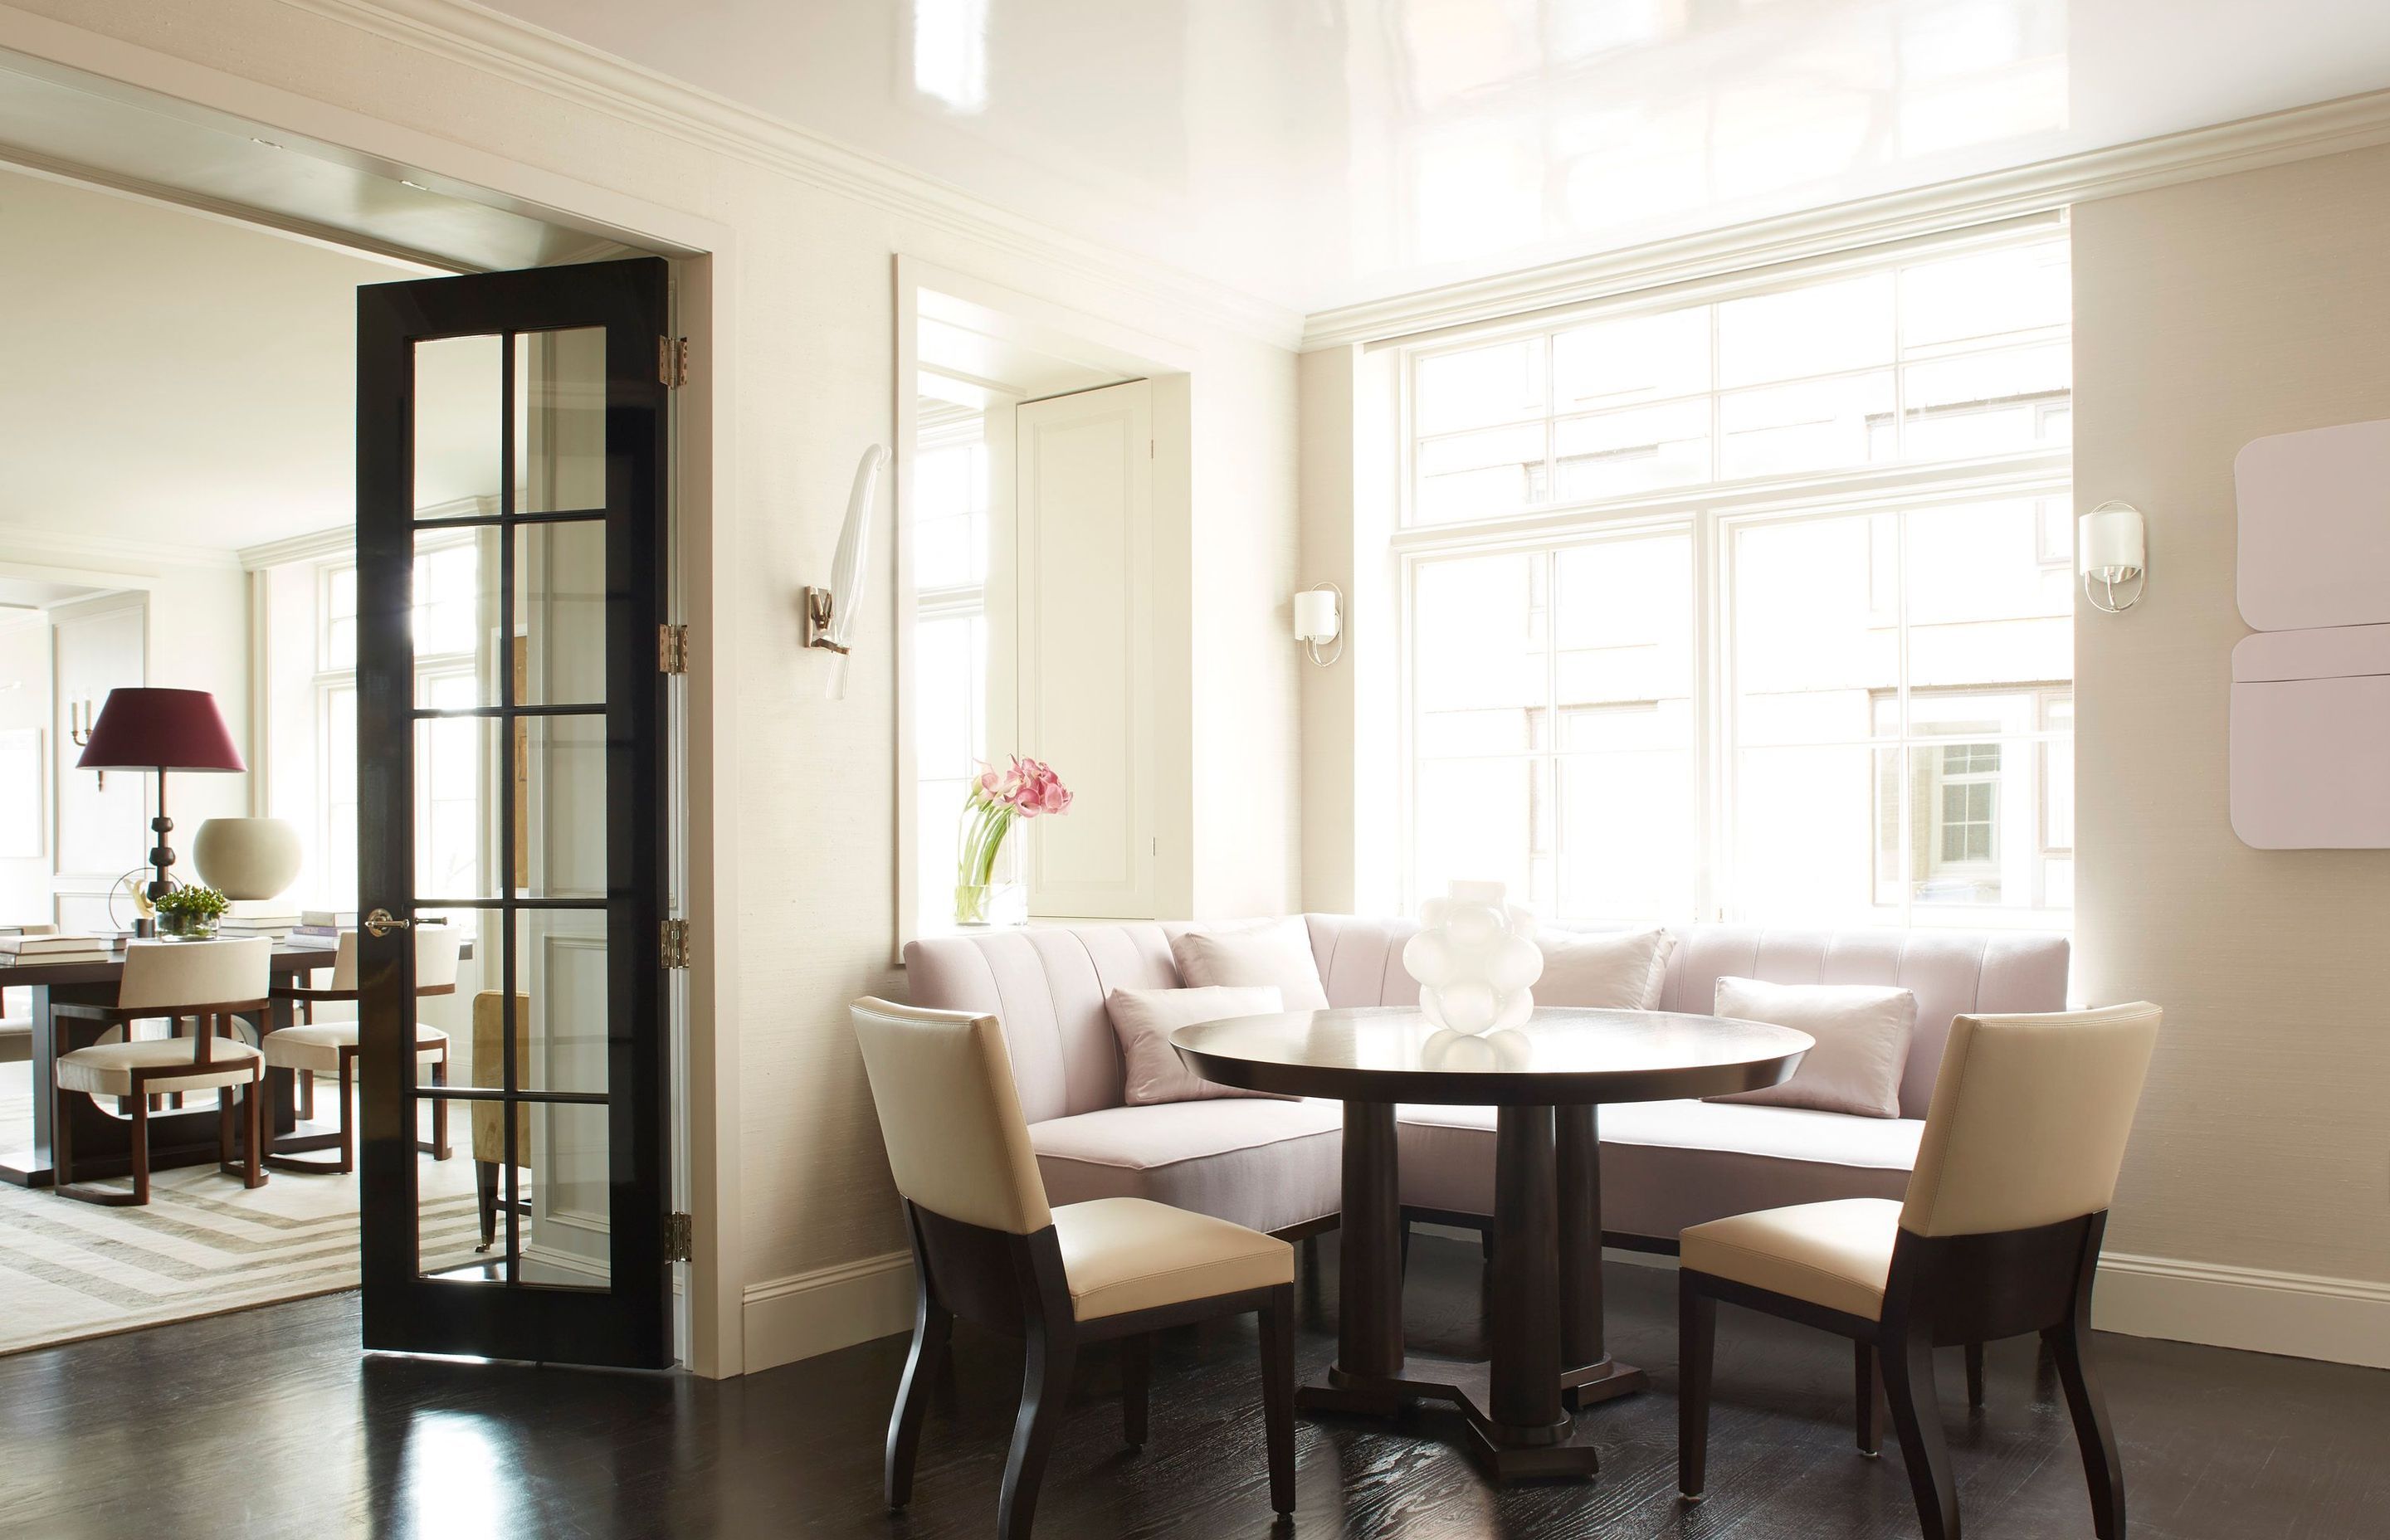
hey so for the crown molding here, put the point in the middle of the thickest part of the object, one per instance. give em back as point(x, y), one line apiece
point(2324, 128)
point(340, 540)
point(572, 71)
point(38, 546)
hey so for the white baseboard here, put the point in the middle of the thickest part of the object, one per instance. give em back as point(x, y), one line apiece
point(826, 1309)
point(2259, 1310)
point(2298, 1314)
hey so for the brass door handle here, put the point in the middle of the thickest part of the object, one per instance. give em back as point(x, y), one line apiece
point(380, 923)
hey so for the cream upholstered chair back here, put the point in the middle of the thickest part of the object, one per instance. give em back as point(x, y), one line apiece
point(179, 974)
point(951, 1115)
point(2029, 1120)
point(436, 948)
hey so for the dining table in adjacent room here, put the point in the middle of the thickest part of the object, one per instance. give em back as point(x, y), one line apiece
point(103, 1145)
point(1545, 1080)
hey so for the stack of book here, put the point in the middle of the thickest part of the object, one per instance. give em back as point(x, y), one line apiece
point(258, 917)
point(53, 949)
point(322, 927)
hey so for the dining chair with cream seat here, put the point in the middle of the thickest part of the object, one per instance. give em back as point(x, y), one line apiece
point(987, 1246)
point(330, 1048)
point(1998, 1236)
point(208, 981)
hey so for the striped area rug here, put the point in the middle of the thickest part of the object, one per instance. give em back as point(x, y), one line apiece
point(204, 1244)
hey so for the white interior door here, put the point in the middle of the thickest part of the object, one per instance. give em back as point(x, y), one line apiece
point(1082, 531)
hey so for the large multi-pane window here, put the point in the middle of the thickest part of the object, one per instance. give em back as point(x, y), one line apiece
point(1758, 608)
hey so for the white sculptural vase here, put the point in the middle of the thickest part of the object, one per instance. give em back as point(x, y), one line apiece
point(1475, 960)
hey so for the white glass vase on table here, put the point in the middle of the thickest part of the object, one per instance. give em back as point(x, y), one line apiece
point(1475, 960)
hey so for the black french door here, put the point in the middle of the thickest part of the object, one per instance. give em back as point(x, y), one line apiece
point(511, 781)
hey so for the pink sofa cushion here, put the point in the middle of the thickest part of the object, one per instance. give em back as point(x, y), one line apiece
point(1267, 1164)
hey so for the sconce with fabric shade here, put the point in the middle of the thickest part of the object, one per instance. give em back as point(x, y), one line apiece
point(2111, 548)
point(1318, 620)
point(161, 730)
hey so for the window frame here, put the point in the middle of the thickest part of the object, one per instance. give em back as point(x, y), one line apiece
point(1710, 514)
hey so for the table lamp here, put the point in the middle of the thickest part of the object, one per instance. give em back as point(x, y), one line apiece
point(161, 730)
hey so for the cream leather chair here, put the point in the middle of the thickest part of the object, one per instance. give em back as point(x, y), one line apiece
point(987, 1246)
point(1998, 1236)
point(206, 980)
point(315, 1049)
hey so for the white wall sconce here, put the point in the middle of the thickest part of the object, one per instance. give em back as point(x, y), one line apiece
point(1319, 619)
point(830, 613)
point(2110, 551)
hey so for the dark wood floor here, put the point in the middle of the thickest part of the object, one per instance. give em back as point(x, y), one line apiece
point(269, 1423)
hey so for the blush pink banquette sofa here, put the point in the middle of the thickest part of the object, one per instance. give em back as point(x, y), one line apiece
point(1275, 1166)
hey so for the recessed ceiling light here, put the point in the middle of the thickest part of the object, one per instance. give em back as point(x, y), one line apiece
point(416, 185)
point(267, 143)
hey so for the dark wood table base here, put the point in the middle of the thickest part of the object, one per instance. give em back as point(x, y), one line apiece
point(1546, 1296)
point(1464, 1386)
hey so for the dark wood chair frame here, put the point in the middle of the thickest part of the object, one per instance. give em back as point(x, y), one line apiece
point(1015, 1285)
point(209, 1022)
point(1942, 1290)
point(286, 1152)
point(1869, 1391)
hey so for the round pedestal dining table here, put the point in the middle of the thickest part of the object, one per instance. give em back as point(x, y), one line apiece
point(1544, 1079)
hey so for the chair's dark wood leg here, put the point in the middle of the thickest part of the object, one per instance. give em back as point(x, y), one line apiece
point(1485, 1245)
point(306, 1095)
point(1053, 1353)
point(1136, 1375)
point(226, 1109)
point(2101, 1468)
point(1405, 1244)
point(485, 1183)
point(1907, 1355)
point(1864, 1382)
point(1277, 1395)
point(348, 1111)
point(140, 1150)
point(1975, 1374)
point(933, 1328)
point(253, 1097)
point(440, 1150)
point(1696, 1345)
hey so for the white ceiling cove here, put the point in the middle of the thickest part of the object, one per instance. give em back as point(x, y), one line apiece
point(187, 381)
point(1324, 152)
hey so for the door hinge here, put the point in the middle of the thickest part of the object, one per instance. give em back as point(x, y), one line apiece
point(671, 649)
point(672, 361)
point(680, 1237)
point(676, 943)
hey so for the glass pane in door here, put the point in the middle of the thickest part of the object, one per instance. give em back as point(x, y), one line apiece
point(561, 420)
point(459, 456)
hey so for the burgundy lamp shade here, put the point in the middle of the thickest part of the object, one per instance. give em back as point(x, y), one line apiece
point(160, 729)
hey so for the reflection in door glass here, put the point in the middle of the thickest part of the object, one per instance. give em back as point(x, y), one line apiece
point(457, 450)
point(561, 420)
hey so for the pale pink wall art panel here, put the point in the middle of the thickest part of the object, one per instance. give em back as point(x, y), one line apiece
point(2315, 527)
point(2310, 735)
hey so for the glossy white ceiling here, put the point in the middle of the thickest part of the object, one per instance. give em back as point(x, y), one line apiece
point(1319, 152)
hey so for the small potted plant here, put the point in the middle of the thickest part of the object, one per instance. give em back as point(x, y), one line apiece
point(190, 914)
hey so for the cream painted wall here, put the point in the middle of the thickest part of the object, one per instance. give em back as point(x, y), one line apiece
point(1351, 737)
point(812, 358)
point(2205, 315)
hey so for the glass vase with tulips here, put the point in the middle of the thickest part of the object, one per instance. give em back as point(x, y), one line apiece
point(997, 799)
